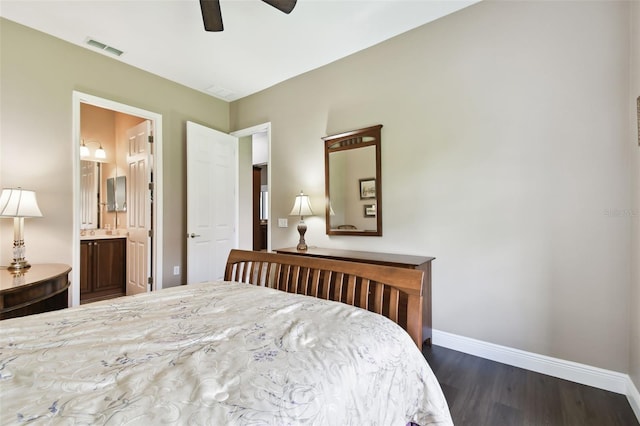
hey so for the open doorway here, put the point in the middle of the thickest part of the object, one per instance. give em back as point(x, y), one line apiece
point(260, 162)
point(126, 196)
point(260, 207)
point(254, 184)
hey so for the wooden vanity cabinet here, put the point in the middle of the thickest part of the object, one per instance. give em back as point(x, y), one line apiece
point(102, 269)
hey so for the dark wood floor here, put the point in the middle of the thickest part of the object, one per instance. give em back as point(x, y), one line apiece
point(486, 393)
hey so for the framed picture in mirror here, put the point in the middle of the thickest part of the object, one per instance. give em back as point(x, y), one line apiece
point(367, 189)
point(369, 210)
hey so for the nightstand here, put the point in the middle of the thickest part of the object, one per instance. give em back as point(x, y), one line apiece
point(40, 288)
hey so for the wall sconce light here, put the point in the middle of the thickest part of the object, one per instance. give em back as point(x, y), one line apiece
point(18, 203)
point(100, 153)
point(84, 150)
point(301, 207)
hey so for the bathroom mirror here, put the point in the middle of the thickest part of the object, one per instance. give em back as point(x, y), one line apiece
point(353, 183)
point(117, 194)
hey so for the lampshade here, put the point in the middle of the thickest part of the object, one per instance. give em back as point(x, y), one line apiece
point(100, 153)
point(84, 150)
point(301, 207)
point(18, 202)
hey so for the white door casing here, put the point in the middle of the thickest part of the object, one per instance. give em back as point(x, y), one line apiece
point(139, 154)
point(212, 212)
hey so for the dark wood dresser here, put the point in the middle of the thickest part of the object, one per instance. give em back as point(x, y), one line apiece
point(397, 260)
point(40, 288)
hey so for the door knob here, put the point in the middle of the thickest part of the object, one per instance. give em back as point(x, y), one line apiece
point(192, 235)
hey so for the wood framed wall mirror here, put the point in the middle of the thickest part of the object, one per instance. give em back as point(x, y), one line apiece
point(353, 183)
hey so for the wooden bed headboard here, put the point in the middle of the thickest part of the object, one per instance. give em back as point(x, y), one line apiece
point(393, 292)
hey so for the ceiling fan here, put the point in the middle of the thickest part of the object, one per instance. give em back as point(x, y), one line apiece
point(212, 16)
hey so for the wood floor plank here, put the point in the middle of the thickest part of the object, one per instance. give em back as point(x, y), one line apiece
point(542, 405)
point(501, 414)
point(483, 392)
point(510, 391)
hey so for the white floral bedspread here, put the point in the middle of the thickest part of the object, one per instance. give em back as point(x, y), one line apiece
point(214, 354)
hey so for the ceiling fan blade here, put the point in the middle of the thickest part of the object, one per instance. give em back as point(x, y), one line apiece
point(211, 15)
point(285, 6)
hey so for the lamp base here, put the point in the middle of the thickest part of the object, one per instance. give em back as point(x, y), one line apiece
point(302, 229)
point(19, 261)
point(18, 265)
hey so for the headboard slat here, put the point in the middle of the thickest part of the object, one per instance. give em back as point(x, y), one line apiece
point(377, 300)
point(315, 283)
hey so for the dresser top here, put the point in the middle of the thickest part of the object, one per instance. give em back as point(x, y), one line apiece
point(33, 275)
point(387, 258)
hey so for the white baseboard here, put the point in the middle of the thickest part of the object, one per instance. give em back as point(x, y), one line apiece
point(634, 397)
point(567, 370)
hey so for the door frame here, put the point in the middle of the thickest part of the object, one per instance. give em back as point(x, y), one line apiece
point(157, 239)
point(249, 131)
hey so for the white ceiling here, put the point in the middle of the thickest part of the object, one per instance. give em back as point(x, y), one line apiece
point(260, 46)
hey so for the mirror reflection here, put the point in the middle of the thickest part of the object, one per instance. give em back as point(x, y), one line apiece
point(352, 181)
point(117, 194)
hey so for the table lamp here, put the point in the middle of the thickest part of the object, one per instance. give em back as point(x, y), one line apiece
point(18, 203)
point(301, 207)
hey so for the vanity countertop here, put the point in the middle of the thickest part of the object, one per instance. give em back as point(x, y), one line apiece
point(102, 236)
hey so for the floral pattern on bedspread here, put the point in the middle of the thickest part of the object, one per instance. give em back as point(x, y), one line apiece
point(214, 354)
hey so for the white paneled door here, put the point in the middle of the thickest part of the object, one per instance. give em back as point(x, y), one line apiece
point(139, 196)
point(212, 203)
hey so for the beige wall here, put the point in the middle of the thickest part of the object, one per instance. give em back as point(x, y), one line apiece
point(634, 354)
point(504, 155)
point(38, 75)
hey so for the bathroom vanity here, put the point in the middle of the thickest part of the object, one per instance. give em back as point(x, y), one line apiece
point(103, 267)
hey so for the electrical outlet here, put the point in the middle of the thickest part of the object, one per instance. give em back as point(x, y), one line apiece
point(283, 223)
point(176, 270)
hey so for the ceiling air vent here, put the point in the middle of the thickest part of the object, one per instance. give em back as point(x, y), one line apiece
point(104, 47)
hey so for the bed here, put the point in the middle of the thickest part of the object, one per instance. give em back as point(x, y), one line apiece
point(254, 349)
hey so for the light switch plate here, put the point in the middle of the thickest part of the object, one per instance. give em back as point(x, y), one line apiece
point(283, 223)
